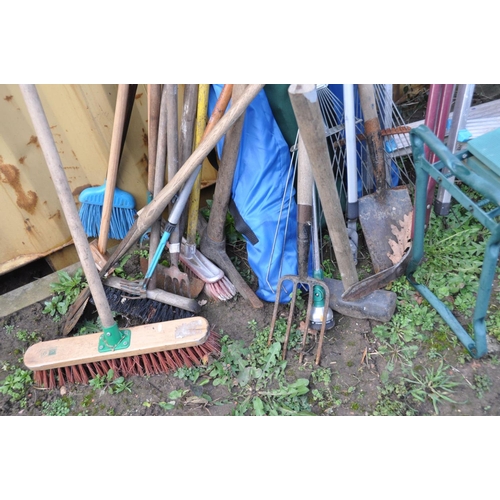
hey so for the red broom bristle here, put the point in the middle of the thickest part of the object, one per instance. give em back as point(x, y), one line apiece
point(52, 379)
point(145, 364)
point(166, 362)
point(155, 363)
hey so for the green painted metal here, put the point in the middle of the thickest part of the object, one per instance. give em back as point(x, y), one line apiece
point(486, 183)
point(114, 339)
point(318, 291)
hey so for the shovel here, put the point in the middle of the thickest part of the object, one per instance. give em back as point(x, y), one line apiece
point(382, 212)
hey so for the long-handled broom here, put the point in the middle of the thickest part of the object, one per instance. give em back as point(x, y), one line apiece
point(146, 349)
point(107, 211)
point(217, 285)
point(158, 305)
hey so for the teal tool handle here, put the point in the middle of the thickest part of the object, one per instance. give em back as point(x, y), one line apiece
point(174, 218)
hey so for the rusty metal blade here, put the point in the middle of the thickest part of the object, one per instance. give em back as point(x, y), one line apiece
point(377, 281)
point(378, 212)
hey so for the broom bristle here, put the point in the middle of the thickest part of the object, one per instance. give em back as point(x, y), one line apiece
point(220, 290)
point(122, 220)
point(157, 363)
point(146, 310)
point(123, 212)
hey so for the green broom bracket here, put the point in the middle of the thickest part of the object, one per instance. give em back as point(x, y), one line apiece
point(114, 339)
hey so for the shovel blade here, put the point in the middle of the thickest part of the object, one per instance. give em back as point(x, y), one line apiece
point(378, 212)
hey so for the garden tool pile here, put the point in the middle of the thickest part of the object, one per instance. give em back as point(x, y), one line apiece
point(295, 259)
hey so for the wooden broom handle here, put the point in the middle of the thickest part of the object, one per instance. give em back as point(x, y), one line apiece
point(68, 205)
point(114, 162)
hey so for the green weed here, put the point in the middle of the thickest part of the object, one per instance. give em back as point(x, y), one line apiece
point(29, 338)
point(58, 408)
point(9, 329)
point(17, 384)
point(89, 326)
point(432, 384)
point(482, 384)
point(65, 293)
point(111, 384)
point(393, 401)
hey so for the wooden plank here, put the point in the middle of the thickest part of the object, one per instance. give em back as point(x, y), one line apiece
point(31, 293)
point(156, 337)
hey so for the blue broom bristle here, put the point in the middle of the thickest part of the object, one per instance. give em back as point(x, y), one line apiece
point(122, 215)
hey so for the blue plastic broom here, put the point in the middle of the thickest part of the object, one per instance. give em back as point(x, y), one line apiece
point(107, 211)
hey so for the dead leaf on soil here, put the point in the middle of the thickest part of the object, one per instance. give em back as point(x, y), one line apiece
point(310, 331)
point(363, 357)
point(195, 400)
point(403, 236)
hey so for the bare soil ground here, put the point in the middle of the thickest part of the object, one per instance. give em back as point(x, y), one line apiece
point(366, 379)
point(360, 383)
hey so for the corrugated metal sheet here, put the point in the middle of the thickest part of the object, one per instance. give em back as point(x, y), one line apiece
point(32, 224)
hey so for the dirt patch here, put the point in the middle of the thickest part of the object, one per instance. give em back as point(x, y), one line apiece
point(359, 377)
point(367, 368)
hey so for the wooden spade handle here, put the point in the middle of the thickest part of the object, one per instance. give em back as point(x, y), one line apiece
point(305, 105)
point(225, 176)
point(373, 133)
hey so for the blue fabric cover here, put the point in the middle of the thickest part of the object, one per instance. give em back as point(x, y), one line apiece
point(264, 196)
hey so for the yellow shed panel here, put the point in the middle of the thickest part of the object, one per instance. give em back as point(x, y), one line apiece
point(32, 224)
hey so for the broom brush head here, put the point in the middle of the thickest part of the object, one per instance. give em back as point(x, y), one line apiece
point(149, 350)
point(122, 215)
point(156, 363)
point(143, 309)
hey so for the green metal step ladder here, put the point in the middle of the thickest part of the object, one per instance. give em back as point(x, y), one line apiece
point(478, 167)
